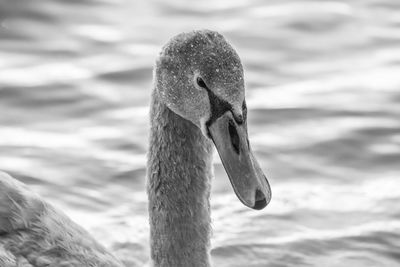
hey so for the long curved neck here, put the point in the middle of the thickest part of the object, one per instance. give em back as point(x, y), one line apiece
point(178, 187)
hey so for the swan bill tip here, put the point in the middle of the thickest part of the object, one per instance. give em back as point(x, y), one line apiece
point(260, 200)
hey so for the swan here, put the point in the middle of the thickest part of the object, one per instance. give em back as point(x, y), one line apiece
point(198, 100)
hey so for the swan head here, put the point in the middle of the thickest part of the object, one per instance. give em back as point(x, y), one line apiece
point(199, 76)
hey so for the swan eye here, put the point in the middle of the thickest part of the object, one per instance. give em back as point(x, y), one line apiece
point(200, 82)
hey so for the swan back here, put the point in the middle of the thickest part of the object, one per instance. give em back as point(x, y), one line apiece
point(35, 233)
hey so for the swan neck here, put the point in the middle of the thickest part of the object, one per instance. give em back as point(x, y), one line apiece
point(178, 187)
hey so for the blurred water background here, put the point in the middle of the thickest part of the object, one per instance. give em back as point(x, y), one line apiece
point(323, 91)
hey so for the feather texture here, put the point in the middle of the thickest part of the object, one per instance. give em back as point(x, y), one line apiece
point(33, 233)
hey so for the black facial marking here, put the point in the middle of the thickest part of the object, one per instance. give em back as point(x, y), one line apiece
point(201, 83)
point(218, 107)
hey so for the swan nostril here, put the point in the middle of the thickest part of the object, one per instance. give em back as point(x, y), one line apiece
point(260, 200)
point(239, 119)
point(234, 136)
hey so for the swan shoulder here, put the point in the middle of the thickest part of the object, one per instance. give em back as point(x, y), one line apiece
point(33, 233)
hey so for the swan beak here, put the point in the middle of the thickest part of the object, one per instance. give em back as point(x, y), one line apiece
point(248, 181)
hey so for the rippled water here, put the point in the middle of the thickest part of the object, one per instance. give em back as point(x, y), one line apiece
point(323, 90)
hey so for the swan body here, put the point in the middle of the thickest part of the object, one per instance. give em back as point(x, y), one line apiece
point(197, 102)
point(35, 234)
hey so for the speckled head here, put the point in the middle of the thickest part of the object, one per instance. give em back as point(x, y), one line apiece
point(191, 60)
point(199, 76)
